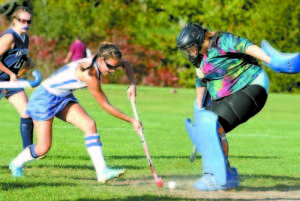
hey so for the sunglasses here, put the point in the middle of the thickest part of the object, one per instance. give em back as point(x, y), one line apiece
point(23, 21)
point(111, 67)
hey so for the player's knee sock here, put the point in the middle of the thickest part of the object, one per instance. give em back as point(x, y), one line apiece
point(224, 143)
point(94, 147)
point(26, 129)
point(28, 154)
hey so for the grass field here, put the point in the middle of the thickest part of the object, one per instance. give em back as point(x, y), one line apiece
point(265, 150)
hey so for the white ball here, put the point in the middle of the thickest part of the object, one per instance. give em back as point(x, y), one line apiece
point(172, 184)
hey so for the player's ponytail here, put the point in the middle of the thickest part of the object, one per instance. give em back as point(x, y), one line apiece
point(91, 65)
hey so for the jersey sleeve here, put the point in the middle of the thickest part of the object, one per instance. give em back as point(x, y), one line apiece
point(200, 83)
point(231, 43)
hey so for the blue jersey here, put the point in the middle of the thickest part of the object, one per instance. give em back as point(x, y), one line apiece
point(15, 57)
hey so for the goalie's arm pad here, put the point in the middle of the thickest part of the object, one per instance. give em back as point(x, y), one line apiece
point(281, 62)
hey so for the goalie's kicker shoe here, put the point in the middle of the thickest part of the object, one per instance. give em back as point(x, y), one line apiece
point(208, 183)
point(109, 173)
point(16, 171)
point(233, 179)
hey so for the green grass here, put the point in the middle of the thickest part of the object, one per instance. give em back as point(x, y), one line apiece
point(265, 150)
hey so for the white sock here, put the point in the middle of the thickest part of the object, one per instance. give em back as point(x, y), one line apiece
point(24, 157)
point(94, 147)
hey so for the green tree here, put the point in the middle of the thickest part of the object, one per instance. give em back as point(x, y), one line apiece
point(155, 24)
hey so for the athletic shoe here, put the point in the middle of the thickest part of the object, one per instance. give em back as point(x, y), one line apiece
point(109, 173)
point(16, 171)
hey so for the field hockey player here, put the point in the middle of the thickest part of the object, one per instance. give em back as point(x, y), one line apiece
point(14, 44)
point(226, 66)
point(54, 97)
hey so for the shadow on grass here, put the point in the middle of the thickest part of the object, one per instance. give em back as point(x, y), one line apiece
point(278, 178)
point(84, 158)
point(182, 157)
point(4, 167)
point(138, 157)
point(277, 187)
point(19, 184)
point(133, 157)
point(87, 167)
point(255, 157)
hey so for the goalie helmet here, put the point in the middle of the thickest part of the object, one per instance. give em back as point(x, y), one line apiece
point(190, 41)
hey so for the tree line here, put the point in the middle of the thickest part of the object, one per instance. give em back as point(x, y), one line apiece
point(146, 31)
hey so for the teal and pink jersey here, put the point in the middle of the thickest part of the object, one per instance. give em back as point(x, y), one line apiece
point(226, 68)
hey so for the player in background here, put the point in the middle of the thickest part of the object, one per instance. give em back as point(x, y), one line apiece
point(14, 44)
point(227, 68)
point(77, 51)
point(54, 97)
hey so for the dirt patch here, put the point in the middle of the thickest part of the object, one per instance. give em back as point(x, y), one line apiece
point(185, 190)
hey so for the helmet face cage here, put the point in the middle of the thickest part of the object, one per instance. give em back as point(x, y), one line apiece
point(190, 52)
point(189, 42)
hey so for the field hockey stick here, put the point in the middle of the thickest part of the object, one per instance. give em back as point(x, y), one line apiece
point(193, 155)
point(158, 180)
point(23, 83)
point(22, 71)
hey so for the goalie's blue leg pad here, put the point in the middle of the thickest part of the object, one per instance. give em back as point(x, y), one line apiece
point(206, 140)
point(188, 123)
point(281, 62)
point(189, 126)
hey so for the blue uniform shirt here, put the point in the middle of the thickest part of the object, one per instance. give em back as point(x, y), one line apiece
point(15, 57)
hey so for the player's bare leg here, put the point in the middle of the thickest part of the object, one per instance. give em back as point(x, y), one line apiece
point(76, 115)
point(33, 152)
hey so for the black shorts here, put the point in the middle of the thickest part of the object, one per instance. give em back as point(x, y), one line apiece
point(10, 91)
point(238, 107)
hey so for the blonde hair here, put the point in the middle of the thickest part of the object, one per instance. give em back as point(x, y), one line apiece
point(109, 50)
point(19, 10)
